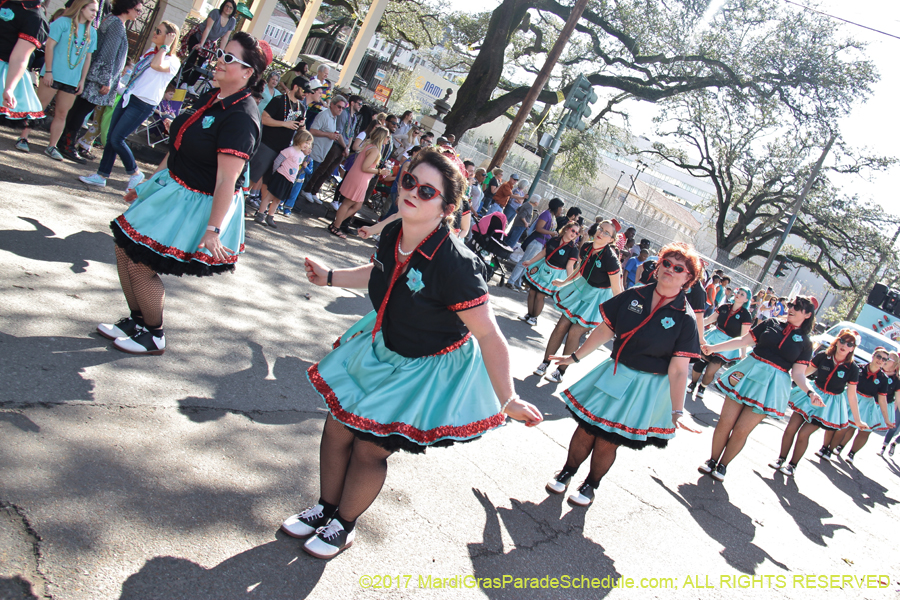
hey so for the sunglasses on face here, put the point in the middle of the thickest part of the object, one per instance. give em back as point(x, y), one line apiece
point(423, 190)
point(848, 343)
point(879, 357)
point(230, 58)
point(670, 265)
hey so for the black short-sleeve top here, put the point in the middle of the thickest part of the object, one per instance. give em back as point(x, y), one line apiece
point(21, 21)
point(697, 297)
point(780, 344)
point(281, 108)
point(227, 126)
point(892, 386)
point(671, 331)
point(831, 377)
point(599, 265)
point(873, 384)
point(417, 315)
point(464, 209)
point(730, 321)
point(557, 256)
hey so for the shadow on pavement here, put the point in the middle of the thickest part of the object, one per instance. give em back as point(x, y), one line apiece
point(276, 570)
point(709, 505)
point(16, 588)
point(807, 514)
point(538, 532)
point(77, 249)
point(866, 493)
point(21, 421)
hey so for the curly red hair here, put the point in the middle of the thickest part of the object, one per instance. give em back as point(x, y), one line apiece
point(686, 253)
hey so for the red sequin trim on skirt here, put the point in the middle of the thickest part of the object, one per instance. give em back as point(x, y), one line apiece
point(613, 424)
point(131, 232)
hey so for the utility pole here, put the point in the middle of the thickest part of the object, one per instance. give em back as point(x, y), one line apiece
point(538, 85)
point(797, 205)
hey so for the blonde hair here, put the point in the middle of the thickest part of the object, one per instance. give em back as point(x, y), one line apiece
point(75, 9)
point(172, 28)
point(302, 137)
point(379, 135)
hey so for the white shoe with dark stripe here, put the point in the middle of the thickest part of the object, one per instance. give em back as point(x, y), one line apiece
point(142, 342)
point(123, 328)
point(330, 540)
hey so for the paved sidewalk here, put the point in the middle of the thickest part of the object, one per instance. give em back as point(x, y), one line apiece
point(126, 477)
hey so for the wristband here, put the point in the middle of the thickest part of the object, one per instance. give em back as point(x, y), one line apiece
point(213, 229)
point(809, 394)
point(678, 412)
point(328, 283)
point(505, 404)
point(573, 357)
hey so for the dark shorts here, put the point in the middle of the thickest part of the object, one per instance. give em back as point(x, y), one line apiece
point(262, 162)
point(65, 87)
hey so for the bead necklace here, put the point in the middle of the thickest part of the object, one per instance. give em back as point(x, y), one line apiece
point(87, 42)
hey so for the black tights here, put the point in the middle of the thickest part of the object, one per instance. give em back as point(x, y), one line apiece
point(582, 445)
point(351, 471)
point(535, 302)
point(143, 288)
point(565, 329)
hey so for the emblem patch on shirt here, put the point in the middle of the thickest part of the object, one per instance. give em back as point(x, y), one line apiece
point(7, 14)
point(840, 374)
point(876, 382)
point(561, 252)
point(636, 307)
point(797, 337)
point(207, 122)
point(737, 317)
point(414, 281)
point(668, 322)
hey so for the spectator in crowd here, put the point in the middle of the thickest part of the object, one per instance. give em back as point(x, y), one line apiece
point(623, 237)
point(102, 81)
point(631, 267)
point(517, 199)
point(542, 231)
point(346, 122)
point(712, 290)
point(492, 183)
point(356, 182)
point(476, 193)
point(270, 91)
point(301, 69)
point(573, 215)
point(503, 194)
point(152, 74)
point(319, 105)
point(403, 128)
point(280, 181)
point(524, 216)
point(67, 59)
point(205, 38)
point(326, 131)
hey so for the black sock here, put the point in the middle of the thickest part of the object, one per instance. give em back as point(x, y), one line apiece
point(593, 484)
point(345, 523)
point(329, 510)
point(138, 317)
point(156, 331)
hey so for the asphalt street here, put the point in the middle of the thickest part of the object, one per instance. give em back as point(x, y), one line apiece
point(140, 478)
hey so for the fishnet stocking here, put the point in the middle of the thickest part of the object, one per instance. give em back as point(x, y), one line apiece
point(334, 457)
point(365, 477)
point(148, 291)
point(602, 453)
point(122, 261)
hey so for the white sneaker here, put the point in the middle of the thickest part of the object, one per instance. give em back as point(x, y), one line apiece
point(524, 318)
point(329, 540)
point(542, 369)
point(315, 199)
point(306, 523)
point(532, 321)
point(135, 180)
point(335, 205)
point(554, 377)
point(93, 179)
point(308, 197)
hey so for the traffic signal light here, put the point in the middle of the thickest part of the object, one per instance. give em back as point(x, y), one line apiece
point(783, 267)
point(578, 101)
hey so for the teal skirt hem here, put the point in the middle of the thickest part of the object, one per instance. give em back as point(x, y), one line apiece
point(717, 336)
point(28, 106)
point(406, 403)
point(758, 384)
point(870, 413)
point(580, 302)
point(834, 415)
point(541, 276)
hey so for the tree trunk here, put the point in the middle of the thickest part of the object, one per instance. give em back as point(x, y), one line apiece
point(485, 73)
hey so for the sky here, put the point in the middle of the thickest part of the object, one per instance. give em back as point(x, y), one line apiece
point(874, 125)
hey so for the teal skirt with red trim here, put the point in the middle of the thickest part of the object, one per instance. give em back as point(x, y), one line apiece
point(870, 413)
point(403, 403)
point(164, 225)
point(630, 408)
point(580, 302)
point(834, 415)
point(541, 276)
point(28, 106)
point(758, 384)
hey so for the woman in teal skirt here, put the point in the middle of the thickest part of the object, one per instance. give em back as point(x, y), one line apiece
point(188, 218)
point(729, 321)
point(428, 367)
point(760, 384)
point(596, 280)
point(836, 377)
point(556, 261)
point(875, 409)
point(23, 29)
point(635, 398)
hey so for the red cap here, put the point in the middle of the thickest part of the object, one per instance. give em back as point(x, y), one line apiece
point(617, 225)
point(815, 303)
point(267, 51)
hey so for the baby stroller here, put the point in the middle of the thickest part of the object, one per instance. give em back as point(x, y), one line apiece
point(487, 243)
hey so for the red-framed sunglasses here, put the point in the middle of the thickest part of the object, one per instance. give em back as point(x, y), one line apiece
point(670, 265)
point(425, 191)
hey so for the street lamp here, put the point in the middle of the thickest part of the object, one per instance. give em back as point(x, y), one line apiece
point(641, 168)
point(621, 175)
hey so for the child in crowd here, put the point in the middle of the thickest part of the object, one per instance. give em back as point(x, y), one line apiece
point(306, 169)
point(166, 111)
point(281, 179)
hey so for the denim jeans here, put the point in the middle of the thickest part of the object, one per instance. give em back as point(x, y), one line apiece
point(890, 433)
point(533, 249)
point(124, 122)
point(514, 234)
point(295, 192)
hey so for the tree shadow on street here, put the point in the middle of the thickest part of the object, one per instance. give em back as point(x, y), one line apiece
point(276, 570)
point(808, 514)
point(538, 532)
point(709, 505)
point(40, 244)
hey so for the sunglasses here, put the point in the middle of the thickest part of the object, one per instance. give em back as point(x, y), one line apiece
point(880, 357)
point(423, 190)
point(230, 58)
point(669, 265)
point(800, 306)
point(850, 344)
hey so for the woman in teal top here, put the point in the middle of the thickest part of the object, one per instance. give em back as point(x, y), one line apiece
point(67, 58)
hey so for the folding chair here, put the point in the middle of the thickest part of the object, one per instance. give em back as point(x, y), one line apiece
point(155, 122)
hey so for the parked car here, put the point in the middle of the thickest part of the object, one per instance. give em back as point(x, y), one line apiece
point(869, 340)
